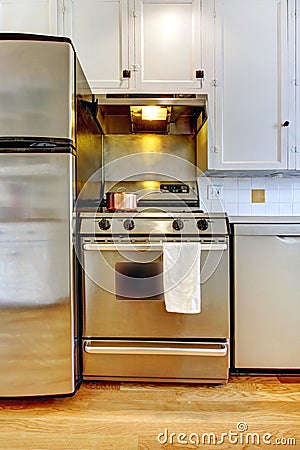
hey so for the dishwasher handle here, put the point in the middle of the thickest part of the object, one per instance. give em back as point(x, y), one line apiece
point(289, 239)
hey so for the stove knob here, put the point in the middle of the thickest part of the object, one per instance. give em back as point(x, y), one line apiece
point(128, 224)
point(202, 224)
point(177, 224)
point(104, 224)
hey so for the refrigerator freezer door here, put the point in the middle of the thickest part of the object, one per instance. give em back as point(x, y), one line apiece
point(37, 337)
point(37, 89)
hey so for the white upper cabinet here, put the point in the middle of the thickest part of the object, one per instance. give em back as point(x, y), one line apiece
point(250, 113)
point(141, 45)
point(168, 45)
point(294, 14)
point(99, 31)
point(29, 16)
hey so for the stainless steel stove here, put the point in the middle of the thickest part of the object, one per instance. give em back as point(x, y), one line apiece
point(127, 331)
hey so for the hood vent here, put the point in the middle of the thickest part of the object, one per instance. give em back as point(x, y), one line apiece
point(135, 115)
point(150, 119)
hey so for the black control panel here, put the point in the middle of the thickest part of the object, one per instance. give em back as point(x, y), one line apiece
point(175, 188)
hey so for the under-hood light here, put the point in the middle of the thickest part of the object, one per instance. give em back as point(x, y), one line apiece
point(154, 113)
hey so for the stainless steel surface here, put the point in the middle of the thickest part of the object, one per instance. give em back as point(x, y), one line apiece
point(36, 89)
point(158, 365)
point(149, 157)
point(46, 112)
point(267, 286)
point(147, 222)
point(36, 288)
point(135, 149)
point(123, 290)
point(185, 114)
point(144, 317)
point(267, 229)
point(264, 219)
point(151, 192)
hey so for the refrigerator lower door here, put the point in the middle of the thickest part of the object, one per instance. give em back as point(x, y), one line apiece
point(37, 334)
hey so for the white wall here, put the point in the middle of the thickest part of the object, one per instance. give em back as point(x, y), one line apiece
point(282, 196)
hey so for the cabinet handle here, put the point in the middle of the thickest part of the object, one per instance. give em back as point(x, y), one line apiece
point(286, 123)
point(126, 73)
point(200, 74)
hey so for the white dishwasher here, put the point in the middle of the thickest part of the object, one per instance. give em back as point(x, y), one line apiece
point(267, 293)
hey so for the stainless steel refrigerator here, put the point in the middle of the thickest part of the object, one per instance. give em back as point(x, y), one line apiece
point(49, 146)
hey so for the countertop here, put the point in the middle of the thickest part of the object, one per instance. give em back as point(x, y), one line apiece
point(264, 219)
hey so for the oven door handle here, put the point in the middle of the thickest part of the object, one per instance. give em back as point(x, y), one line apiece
point(171, 351)
point(145, 247)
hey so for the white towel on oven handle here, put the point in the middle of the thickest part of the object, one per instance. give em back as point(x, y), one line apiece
point(181, 277)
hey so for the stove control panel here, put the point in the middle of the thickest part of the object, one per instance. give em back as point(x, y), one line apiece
point(154, 224)
point(175, 188)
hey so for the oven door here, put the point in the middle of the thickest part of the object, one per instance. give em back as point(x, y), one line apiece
point(123, 293)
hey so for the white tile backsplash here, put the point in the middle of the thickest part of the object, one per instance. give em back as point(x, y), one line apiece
point(258, 183)
point(296, 209)
point(258, 209)
point(296, 197)
point(272, 209)
point(271, 183)
point(232, 209)
point(244, 183)
point(230, 183)
point(245, 209)
point(217, 206)
point(286, 209)
point(286, 196)
point(272, 195)
point(231, 195)
point(296, 183)
point(282, 196)
point(285, 183)
point(244, 195)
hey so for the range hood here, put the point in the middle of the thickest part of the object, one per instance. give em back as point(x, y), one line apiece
point(124, 114)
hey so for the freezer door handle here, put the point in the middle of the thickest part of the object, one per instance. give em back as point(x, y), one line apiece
point(167, 351)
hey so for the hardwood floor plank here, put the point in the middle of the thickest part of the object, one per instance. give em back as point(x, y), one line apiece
point(289, 379)
point(67, 441)
point(130, 416)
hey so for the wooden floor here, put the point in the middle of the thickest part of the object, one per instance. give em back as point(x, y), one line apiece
point(131, 416)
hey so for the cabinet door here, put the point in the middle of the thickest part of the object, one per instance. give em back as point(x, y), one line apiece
point(99, 30)
point(293, 89)
point(29, 16)
point(168, 45)
point(251, 92)
point(296, 14)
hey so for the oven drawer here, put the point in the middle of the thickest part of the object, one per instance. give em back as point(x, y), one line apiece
point(159, 360)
